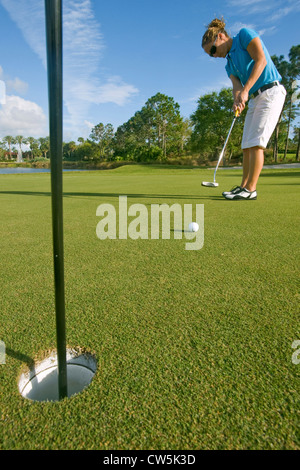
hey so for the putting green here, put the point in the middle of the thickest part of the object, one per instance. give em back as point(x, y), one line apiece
point(194, 348)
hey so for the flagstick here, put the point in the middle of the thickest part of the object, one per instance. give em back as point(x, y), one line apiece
point(54, 60)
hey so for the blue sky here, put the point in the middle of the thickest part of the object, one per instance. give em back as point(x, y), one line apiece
point(119, 53)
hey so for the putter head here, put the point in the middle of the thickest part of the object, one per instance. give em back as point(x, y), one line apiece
point(212, 185)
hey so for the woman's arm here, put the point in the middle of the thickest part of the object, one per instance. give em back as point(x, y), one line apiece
point(256, 52)
point(237, 88)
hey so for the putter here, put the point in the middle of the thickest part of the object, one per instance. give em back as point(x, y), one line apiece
point(214, 184)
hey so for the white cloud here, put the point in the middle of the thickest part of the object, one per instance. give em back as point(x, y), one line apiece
point(286, 10)
point(17, 86)
point(251, 7)
point(246, 3)
point(114, 91)
point(271, 11)
point(22, 117)
point(84, 46)
point(265, 16)
point(29, 15)
point(267, 31)
point(236, 27)
point(89, 125)
point(213, 87)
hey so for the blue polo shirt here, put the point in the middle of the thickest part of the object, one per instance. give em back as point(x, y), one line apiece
point(240, 63)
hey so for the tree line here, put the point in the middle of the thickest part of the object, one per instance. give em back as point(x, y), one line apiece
point(158, 132)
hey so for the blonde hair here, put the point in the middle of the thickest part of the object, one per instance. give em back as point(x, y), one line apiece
point(215, 27)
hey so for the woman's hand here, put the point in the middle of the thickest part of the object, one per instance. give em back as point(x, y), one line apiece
point(241, 98)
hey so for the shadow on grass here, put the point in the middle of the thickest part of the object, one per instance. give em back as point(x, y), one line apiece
point(116, 195)
point(295, 173)
point(20, 357)
point(276, 173)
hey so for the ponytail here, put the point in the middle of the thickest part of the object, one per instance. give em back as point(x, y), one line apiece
point(215, 27)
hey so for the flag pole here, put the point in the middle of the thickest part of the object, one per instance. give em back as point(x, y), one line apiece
point(53, 10)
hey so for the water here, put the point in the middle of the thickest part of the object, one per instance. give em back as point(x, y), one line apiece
point(20, 170)
point(14, 171)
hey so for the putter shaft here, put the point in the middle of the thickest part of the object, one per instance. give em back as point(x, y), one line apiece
point(224, 147)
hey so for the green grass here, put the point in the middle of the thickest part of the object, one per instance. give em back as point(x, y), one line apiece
point(193, 347)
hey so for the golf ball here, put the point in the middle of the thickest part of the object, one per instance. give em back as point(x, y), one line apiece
point(193, 227)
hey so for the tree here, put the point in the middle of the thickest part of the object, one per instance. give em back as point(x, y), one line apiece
point(130, 139)
point(103, 136)
point(293, 73)
point(211, 122)
point(34, 146)
point(85, 151)
point(9, 140)
point(163, 117)
point(3, 153)
point(186, 129)
point(292, 112)
point(69, 149)
point(44, 145)
point(290, 72)
point(153, 132)
point(297, 139)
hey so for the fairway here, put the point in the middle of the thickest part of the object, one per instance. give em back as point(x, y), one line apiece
point(194, 348)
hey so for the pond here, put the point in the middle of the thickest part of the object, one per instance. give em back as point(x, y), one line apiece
point(13, 171)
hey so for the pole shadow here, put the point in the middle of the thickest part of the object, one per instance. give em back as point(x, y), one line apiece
point(20, 357)
point(116, 195)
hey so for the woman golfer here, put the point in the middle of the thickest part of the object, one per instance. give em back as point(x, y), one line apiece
point(255, 78)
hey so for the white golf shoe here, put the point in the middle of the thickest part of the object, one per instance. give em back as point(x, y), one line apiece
point(234, 190)
point(242, 194)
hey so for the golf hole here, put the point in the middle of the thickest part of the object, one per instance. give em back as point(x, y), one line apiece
point(40, 382)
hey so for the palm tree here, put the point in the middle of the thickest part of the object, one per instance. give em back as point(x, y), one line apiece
point(297, 135)
point(44, 145)
point(9, 140)
point(31, 141)
point(290, 72)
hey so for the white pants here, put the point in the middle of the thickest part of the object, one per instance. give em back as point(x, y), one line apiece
point(262, 116)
